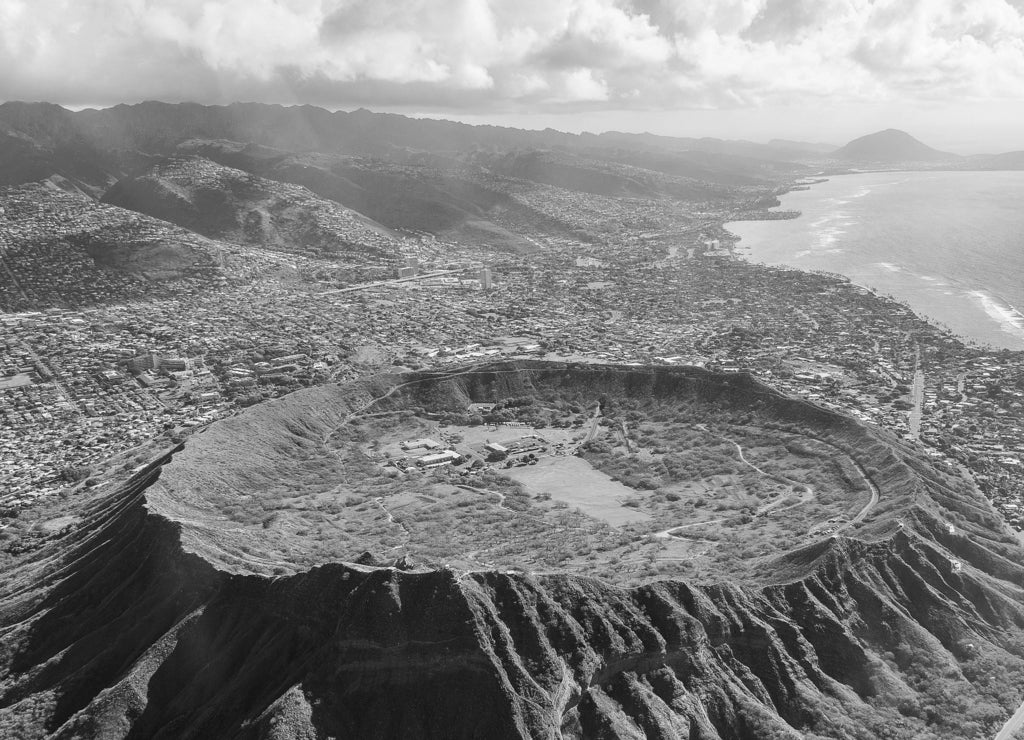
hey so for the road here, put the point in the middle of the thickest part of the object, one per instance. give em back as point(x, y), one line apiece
point(55, 379)
point(917, 396)
point(379, 283)
point(865, 510)
point(1012, 725)
point(592, 432)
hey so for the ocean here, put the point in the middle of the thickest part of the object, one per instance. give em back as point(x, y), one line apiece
point(948, 244)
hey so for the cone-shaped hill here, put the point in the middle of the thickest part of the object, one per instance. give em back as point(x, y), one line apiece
point(892, 146)
point(523, 550)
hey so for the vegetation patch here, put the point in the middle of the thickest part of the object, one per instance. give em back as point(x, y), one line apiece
point(509, 469)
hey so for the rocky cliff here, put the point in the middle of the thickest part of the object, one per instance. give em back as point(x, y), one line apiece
point(124, 629)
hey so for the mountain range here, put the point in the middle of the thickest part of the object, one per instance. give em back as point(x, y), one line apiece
point(393, 172)
point(256, 581)
point(96, 147)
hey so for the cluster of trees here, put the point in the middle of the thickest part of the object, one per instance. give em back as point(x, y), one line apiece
point(672, 467)
point(75, 473)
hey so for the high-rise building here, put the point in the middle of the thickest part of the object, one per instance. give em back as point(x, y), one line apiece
point(485, 279)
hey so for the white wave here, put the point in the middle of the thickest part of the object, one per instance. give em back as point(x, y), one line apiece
point(889, 266)
point(1009, 318)
point(825, 240)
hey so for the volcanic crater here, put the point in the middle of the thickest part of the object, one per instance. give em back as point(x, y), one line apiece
point(734, 563)
point(618, 472)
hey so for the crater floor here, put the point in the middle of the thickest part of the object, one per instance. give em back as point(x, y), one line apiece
point(621, 473)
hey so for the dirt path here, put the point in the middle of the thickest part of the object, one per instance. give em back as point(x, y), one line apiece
point(474, 489)
point(392, 520)
point(592, 432)
point(807, 496)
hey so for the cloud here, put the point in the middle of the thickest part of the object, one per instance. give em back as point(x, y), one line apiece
point(509, 55)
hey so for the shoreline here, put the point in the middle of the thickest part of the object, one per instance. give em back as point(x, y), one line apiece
point(996, 315)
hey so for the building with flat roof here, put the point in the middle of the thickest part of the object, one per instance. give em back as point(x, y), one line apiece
point(437, 459)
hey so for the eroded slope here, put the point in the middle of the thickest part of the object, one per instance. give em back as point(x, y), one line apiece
point(145, 624)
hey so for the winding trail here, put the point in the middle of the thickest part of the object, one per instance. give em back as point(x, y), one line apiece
point(874, 497)
point(806, 497)
point(391, 519)
point(872, 501)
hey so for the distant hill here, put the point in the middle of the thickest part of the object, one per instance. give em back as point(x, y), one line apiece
point(227, 203)
point(70, 250)
point(399, 196)
point(443, 177)
point(802, 146)
point(891, 146)
point(1005, 161)
point(156, 128)
point(40, 140)
point(776, 150)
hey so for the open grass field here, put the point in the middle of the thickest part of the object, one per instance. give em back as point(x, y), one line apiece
point(15, 381)
point(574, 482)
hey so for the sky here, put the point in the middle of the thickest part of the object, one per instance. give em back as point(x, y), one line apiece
point(951, 72)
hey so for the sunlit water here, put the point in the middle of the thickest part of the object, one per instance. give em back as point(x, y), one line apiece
point(949, 244)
